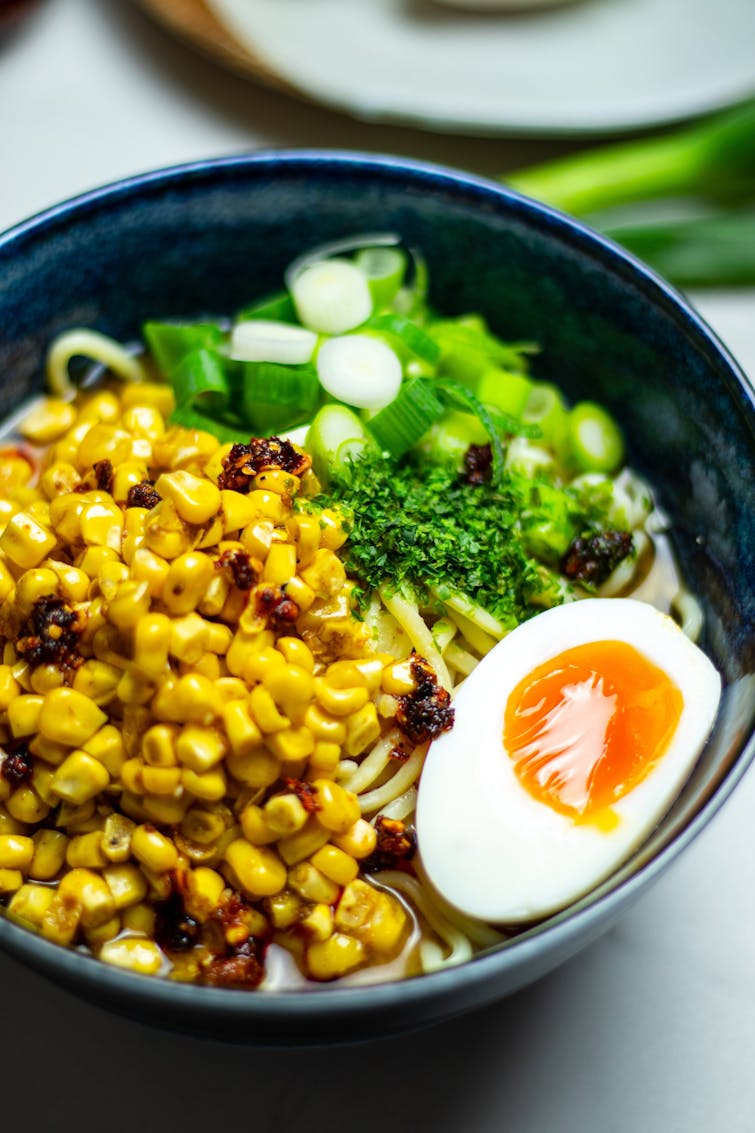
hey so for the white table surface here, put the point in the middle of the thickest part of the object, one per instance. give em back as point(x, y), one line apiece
point(650, 1029)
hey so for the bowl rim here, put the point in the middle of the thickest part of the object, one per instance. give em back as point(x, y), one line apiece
point(343, 1003)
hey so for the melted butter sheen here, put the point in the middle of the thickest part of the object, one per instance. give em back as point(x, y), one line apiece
point(587, 726)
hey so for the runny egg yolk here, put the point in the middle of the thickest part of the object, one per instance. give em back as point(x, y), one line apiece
point(587, 726)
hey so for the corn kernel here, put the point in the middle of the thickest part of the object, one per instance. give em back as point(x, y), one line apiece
point(339, 701)
point(100, 406)
point(398, 679)
point(126, 883)
point(24, 542)
point(324, 760)
point(359, 840)
point(134, 954)
point(158, 395)
point(30, 903)
point(208, 785)
point(148, 567)
point(48, 421)
point(255, 826)
point(93, 894)
point(188, 638)
point(284, 908)
point(214, 598)
point(338, 808)
point(323, 726)
point(196, 699)
point(257, 537)
point(103, 442)
point(129, 605)
point(362, 729)
point(335, 864)
point(153, 849)
point(23, 714)
point(152, 638)
point(165, 533)
point(291, 745)
point(26, 806)
point(267, 504)
point(200, 748)
point(134, 689)
point(255, 767)
point(139, 919)
point(9, 687)
point(195, 498)
point(159, 745)
point(168, 810)
point(265, 712)
point(86, 850)
point(280, 564)
point(304, 843)
point(318, 923)
point(206, 887)
point(306, 880)
point(92, 559)
point(334, 957)
point(186, 581)
point(259, 871)
point(80, 777)
point(243, 734)
point(284, 814)
point(69, 717)
point(16, 851)
point(11, 880)
point(97, 680)
point(115, 837)
point(203, 826)
point(49, 854)
point(161, 780)
point(107, 746)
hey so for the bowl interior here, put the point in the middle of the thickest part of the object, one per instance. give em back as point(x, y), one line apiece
point(209, 238)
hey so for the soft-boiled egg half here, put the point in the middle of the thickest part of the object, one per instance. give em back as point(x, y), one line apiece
point(572, 738)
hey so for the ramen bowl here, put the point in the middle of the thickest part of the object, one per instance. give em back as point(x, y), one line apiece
point(210, 237)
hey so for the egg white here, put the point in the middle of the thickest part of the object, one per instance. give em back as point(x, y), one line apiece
point(488, 846)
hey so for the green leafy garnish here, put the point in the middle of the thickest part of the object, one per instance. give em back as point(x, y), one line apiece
point(425, 529)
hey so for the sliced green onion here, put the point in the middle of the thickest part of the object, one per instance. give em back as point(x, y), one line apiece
point(459, 397)
point(200, 382)
point(385, 268)
point(332, 297)
point(446, 442)
point(279, 307)
point(399, 426)
point(595, 440)
point(506, 391)
point(335, 436)
point(278, 397)
point(265, 340)
point(361, 370)
point(169, 343)
point(190, 418)
point(345, 246)
point(409, 335)
point(545, 408)
point(468, 349)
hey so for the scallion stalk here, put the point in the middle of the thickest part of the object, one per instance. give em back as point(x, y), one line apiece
point(277, 397)
point(713, 159)
point(399, 426)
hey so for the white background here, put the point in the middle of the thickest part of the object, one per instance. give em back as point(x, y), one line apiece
point(650, 1029)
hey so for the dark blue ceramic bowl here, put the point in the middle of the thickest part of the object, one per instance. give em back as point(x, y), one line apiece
point(208, 238)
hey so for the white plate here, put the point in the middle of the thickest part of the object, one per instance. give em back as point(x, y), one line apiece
point(592, 67)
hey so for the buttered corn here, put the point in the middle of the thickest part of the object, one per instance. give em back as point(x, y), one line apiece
point(181, 679)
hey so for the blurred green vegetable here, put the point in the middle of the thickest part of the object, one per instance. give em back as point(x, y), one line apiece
point(712, 161)
point(708, 251)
